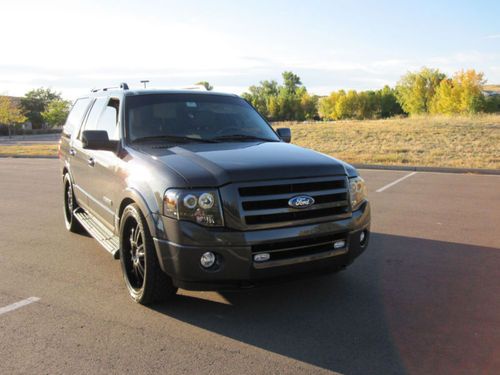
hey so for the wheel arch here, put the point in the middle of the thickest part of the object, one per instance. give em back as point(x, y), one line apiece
point(152, 219)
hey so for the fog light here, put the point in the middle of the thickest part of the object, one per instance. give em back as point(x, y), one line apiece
point(261, 257)
point(339, 244)
point(207, 259)
point(363, 237)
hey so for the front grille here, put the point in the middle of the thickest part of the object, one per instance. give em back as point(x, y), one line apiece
point(299, 247)
point(267, 203)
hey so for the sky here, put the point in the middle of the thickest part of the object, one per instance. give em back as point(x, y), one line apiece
point(74, 46)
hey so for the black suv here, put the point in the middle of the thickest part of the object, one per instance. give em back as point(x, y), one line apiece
point(196, 190)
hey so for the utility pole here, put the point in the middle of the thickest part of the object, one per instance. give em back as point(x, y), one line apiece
point(145, 82)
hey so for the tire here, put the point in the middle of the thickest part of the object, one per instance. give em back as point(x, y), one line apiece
point(145, 280)
point(69, 205)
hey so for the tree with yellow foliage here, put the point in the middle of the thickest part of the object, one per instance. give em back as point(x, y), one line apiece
point(463, 94)
point(415, 90)
point(10, 113)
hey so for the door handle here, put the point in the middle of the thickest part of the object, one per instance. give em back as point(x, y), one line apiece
point(91, 162)
point(72, 152)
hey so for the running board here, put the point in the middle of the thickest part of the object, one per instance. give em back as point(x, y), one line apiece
point(103, 235)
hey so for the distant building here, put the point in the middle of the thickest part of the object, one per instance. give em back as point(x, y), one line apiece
point(491, 93)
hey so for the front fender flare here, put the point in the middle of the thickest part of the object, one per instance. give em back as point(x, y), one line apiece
point(153, 217)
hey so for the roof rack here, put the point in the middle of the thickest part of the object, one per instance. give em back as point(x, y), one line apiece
point(195, 87)
point(122, 86)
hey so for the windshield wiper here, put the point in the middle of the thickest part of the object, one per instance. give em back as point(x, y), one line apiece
point(238, 137)
point(174, 138)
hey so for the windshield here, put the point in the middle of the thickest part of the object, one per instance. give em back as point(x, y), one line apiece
point(194, 117)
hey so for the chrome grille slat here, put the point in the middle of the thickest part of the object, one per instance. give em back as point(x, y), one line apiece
point(291, 188)
point(288, 195)
point(284, 210)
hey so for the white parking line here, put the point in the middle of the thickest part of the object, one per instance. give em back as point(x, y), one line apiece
point(395, 182)
point(17, 305)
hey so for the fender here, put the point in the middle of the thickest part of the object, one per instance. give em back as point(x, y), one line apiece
point(153, 218)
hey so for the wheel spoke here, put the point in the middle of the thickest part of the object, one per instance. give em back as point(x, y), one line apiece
point(131, 239)
point(140, 251)
point(70, 199)
point(140, 270)
point(137, 234)
point(134, 270)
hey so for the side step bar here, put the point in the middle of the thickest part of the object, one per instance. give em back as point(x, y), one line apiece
point(103, 235)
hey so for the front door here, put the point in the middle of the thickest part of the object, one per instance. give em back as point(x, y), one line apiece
point(82, 165)
point(105, 183)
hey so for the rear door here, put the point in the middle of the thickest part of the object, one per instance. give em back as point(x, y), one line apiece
point(70, 131)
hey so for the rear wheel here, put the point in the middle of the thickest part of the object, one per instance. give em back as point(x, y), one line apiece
point(71, 223)
point(145, 280)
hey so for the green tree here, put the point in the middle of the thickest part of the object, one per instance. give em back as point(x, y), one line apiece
point(492, 104)
point(10, 113)
point(389, 105)
point(261, 97)
point(291, 81)
point(206, 85)
point(289, 101)
point(368, 105)
point(56, 112)
point(415, 90)
point(35, 102)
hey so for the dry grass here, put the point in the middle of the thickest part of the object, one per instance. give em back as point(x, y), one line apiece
point(492, 87)
point(29, 150)
point(470, 142)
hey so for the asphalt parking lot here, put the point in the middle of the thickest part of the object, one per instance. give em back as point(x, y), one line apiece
point(423, 299)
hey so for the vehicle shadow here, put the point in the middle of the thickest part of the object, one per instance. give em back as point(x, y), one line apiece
point(380, 316)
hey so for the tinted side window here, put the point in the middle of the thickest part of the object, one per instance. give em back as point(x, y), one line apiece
point(109, 119)
point(75, 117)
point(95, 113)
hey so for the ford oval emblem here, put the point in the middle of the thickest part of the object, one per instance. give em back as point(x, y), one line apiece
point(301, 201)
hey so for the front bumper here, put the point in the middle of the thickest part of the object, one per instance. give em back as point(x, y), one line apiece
point(179, 256)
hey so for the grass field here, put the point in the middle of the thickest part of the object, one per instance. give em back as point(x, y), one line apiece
point(29, 150)
point(492, 88)
point(470, 142)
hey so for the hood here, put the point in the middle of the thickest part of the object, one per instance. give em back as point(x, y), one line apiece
point(216, 164)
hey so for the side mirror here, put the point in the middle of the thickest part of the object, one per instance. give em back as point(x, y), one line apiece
point(285, 134)
point(98, 140)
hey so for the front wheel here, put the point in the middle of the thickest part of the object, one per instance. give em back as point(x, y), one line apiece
point(145, 280)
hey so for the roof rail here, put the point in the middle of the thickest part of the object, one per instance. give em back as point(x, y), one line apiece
point(195, 87)
point(122, 86)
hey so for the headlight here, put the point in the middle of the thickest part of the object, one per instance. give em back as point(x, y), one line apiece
point(357, 189)
point(200, 206)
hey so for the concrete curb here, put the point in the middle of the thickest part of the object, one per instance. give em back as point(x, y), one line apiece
point(428, 169)
point(359, 166)
point(28, 156)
